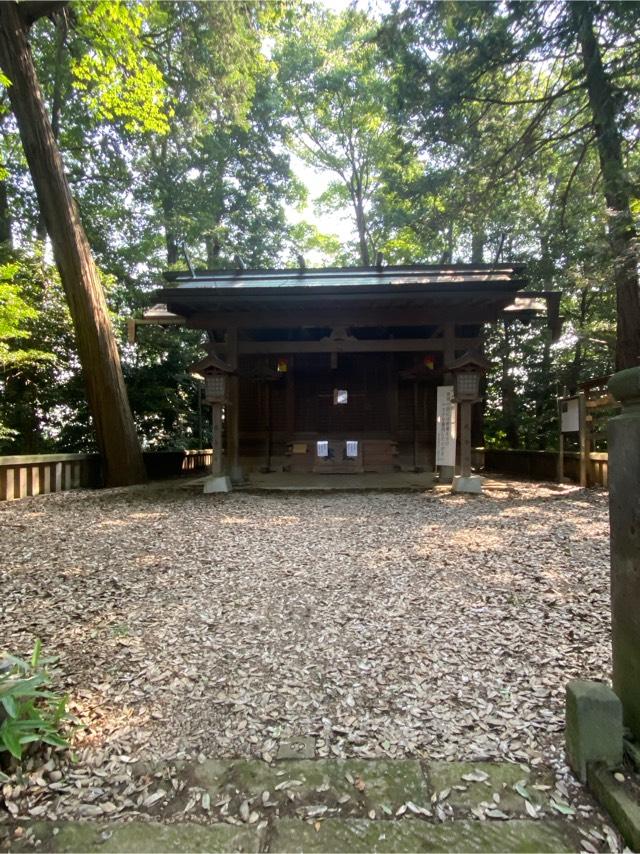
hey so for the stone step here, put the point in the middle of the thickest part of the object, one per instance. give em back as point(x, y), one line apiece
point(354, 788)
point(293, 835)
point(137, 837)
point(355, 835)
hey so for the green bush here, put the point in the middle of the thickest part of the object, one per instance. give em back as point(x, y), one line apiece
point(32, 712)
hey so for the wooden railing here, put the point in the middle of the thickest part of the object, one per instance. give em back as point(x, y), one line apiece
point(195, 460)
point(22, 476)
point(541, 465)
point(37, 475)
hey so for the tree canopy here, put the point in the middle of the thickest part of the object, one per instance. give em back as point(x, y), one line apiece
point(443, 131)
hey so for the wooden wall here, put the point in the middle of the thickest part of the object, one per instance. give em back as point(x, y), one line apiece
point(393, 418)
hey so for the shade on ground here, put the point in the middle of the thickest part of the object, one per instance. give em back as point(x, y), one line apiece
point(379, 625)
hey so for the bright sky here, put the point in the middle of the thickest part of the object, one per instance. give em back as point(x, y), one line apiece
point(340, 225)
point(316, 183)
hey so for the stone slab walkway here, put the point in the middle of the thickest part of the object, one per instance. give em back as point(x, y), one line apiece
point(325, 805)
point(293, 835)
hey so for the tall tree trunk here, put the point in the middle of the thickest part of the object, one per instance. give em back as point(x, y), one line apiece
point(173, 250)
point(447, 255)
point(477, 246)
point(97, 350)
point(361, 225)
point(617, 190)
point(60, 18)
point(167, 205)
point(5, 216)
point(212, 245)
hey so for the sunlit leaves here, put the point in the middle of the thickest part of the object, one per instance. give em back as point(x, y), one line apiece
point(119, 80)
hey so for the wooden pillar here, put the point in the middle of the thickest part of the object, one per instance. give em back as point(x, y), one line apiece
point(267, 405)
point(394, 403)
point(584, 442)
point(415, 423)
point(216, 439)
point(560, 474)
point(290, 399)
point(465, 438)
point(232, 411)
point(449, 333)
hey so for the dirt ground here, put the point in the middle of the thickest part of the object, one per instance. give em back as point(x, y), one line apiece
point(385, 625)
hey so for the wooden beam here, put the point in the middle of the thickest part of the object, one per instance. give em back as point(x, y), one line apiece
point(348, 316)
point(386, 345)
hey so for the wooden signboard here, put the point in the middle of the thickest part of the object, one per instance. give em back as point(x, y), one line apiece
point(446, 427)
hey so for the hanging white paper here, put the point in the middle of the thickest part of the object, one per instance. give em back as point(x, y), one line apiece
point(446, 427)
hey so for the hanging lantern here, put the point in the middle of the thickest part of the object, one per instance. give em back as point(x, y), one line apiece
point(467, 372)
point(215, 373)
point(215, 387)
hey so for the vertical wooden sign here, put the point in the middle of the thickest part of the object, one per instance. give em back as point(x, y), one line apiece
point(446, 427)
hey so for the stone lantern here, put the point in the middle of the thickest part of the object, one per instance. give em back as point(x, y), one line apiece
point(216, 390)
point(467, 372)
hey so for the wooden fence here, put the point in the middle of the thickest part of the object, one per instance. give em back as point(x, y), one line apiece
point(542, 465)
point(21, 476)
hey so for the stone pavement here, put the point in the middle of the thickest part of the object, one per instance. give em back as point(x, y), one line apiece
point(324, 805)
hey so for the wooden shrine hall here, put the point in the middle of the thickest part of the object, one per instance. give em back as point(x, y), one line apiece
point(336, 370)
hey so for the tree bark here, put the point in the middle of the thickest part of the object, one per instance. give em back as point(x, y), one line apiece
point(59, 16)
point(97, 350)
point(362, 232)
point(212, 245)
point(477, 246)
point(5, 216)
point(617, 189)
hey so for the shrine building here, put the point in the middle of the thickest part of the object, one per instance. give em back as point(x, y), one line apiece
point(337, 370)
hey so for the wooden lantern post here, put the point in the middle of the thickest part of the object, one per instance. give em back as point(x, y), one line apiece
point(467, 372)
point(216, 375)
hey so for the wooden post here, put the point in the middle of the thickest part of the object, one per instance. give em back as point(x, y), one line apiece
point(232, 411)
point(448, 331)
point(392, 385)
point(290, 400)
point(415, 423)
point(465, 438)
point(560, 475)
point(216, 439)
point(582, 410)
point(267, 394)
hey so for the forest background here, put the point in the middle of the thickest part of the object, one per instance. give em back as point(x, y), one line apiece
point(430, 132)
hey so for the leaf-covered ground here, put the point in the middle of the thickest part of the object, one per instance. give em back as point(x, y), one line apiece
point(383, 624)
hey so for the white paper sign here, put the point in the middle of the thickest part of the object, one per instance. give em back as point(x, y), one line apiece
point(446, 426)
point(570, 416)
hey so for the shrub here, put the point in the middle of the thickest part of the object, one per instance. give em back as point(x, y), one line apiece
point(32, 712)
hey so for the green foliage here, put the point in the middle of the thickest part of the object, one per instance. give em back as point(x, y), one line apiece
point(336, 93)
point(115, 74)
point(446, 131)
point(18, 314)
point(34, 714)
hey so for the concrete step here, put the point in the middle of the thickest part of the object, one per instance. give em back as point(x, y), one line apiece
point(294, 835)
point(290, 835)
point(324, 805)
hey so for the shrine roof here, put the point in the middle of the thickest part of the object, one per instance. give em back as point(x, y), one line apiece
point(401, 277)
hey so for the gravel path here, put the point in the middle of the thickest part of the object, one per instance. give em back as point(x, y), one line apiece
point(384, 624)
